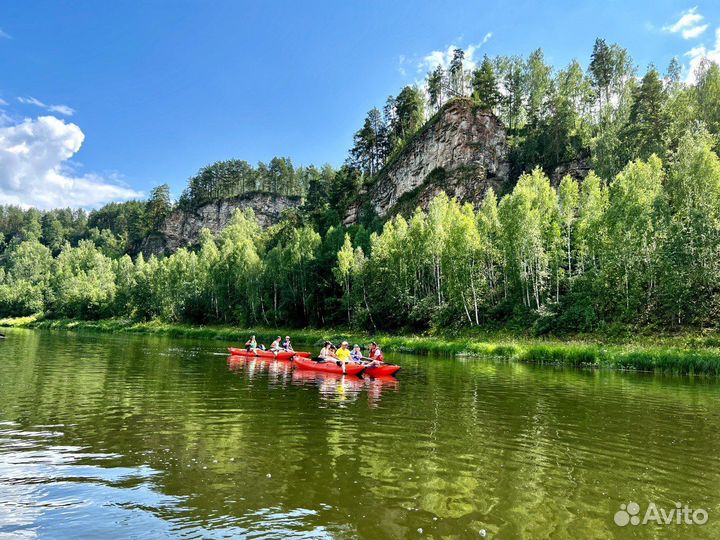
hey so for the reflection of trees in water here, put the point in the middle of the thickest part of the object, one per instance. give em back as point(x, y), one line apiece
point(517, 450)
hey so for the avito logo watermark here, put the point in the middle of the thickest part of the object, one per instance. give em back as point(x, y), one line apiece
point(629, 514)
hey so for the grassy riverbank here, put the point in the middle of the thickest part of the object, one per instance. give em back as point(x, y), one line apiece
point(689, 353)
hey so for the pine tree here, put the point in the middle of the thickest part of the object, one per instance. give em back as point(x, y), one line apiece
point(368, 152)
point(457, 73)
point(647, 123)
point(158, 206)
point(409, 112)
point(601, 69)
point(485, 87)
point(435, 81)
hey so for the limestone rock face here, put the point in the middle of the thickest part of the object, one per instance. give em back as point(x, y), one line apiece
point(182, 229)
point(577, 169)
point(463, 150)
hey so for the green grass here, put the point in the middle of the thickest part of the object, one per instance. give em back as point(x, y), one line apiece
point(687, 353)
point(19, 322)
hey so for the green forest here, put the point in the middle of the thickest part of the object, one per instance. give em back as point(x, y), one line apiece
point(635, 243)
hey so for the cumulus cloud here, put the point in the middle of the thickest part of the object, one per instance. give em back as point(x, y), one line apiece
point(694, 32)
point(689, 25)
point(4, 35)
point(35, 168)
point(698, 54)
point(443, 57)
point(429, 61)
point(60, 109)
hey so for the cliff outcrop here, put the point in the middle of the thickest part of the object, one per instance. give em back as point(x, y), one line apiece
point(462, 150)
point(182, 227)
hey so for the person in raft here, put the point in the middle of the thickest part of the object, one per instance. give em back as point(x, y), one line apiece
point(251, 344)
point(325, 351)
point(356, 353)
point(376, 354)
point(287, 344)
point(343, 353)
point(276, 347)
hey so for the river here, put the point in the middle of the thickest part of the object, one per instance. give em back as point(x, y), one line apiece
point(119, 436)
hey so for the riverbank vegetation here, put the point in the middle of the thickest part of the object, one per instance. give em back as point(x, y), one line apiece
point(678, 354)
point(641, 250)
point(634, 245)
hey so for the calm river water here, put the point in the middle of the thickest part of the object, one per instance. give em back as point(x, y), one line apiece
point(144, 437)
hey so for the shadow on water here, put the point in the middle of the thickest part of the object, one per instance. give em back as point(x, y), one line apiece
point(141, 437)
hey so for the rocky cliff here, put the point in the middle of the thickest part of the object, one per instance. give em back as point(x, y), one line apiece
point(577, 169)
point(462, 150)
point(182, 228)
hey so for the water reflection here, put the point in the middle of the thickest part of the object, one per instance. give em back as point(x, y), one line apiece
point(334, 387)
point(49, 490)
point(136, 437)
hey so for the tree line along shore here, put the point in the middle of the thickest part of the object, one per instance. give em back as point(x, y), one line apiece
point(632, 245)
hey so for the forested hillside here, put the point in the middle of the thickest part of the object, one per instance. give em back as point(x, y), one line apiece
point(636, 242)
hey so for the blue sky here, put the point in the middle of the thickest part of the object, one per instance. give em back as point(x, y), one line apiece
point(104, 100)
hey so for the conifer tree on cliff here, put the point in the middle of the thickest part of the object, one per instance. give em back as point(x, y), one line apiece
point(457, 75)
point(485, 87)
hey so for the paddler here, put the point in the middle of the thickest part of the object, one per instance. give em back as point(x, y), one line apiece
point(275, 347)
point(376, 354)
point(343, 353)
point(325, 351)
point(287, 344)
point(356, 353)
point(251, 344)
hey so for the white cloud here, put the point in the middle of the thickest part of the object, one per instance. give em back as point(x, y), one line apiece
point(443, 58)
point(402, 61)
point(60, 109)
point(35, 171)
point(4, 35)
point(688, 24)
point(694, 32)
point(31, 101)
point(5, 118)
point(698, 54)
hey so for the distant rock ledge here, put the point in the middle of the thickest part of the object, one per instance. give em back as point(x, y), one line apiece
point(182, 228)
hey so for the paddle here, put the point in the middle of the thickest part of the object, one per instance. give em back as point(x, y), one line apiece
point(371, 361)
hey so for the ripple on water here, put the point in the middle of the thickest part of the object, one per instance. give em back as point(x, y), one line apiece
point(166, 438)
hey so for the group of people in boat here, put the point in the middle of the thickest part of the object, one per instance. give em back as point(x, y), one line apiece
point(277, 345)
point(345, 354)
point(328, 352)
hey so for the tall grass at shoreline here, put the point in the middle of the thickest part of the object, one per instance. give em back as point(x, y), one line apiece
point(686, 354)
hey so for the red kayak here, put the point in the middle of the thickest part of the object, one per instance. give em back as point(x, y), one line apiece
point(382, 370)
point(328, 366)
point(280, 355)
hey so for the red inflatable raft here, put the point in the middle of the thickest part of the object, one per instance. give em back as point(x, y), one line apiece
point(280, 355)
point(382, 370)
point(328, 366)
